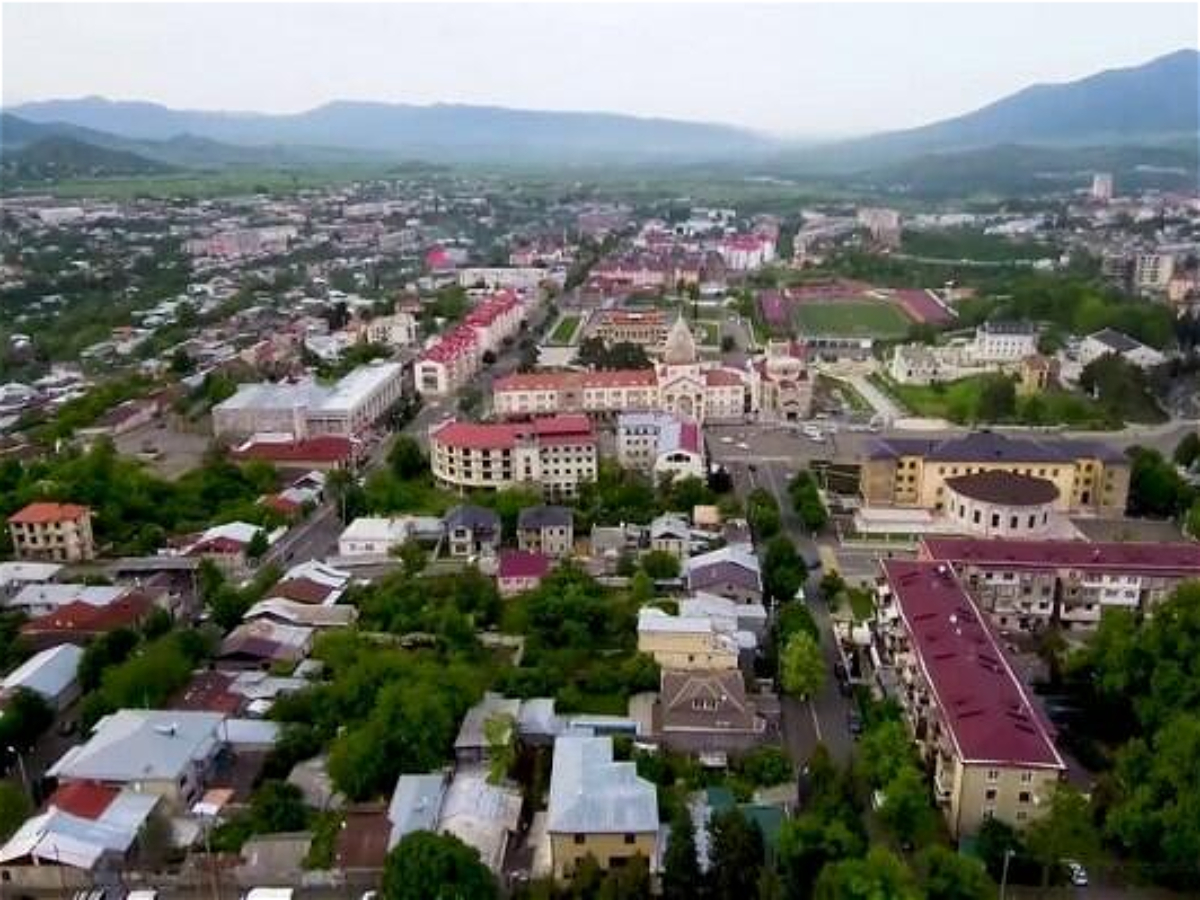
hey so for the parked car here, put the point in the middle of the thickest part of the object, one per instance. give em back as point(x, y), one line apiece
point(854, 721)
point(1076, 873)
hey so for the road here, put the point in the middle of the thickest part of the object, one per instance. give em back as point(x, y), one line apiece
point(314, 538)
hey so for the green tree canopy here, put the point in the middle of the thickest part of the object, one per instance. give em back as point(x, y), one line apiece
point(427, 866)
point(802, 665)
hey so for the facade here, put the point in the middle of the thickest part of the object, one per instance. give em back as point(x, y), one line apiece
point(661, 444)
point(686, 643)
point(646, 328)
point(549, 530)
point(1102, 187)
point(556, 454)
point(514, 278)
point(396, 330)
point(1027, 584)
point(472, 531)
point(1152, 272)
point(1003, 342)
point(520, 570)
point(991, 754)
point(373, 536)
point(598, 807)
point(455, 357)
point(785, 384)
point(1001, 504)
point(671, 534)
point(677, 384)
point(915, 364)
point(55, 532)
point(1038, 374)
point(1091, 477)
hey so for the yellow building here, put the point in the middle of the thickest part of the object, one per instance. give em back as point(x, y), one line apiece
point(991, 753)
point(61, 532)
point(1090, 476)
point(685, 642)
point(598, 807)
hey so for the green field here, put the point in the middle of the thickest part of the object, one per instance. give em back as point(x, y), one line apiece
point(958, 401)
point(852, 318)
point(564, 330)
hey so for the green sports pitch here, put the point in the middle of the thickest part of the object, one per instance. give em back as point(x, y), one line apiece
point(852, 318)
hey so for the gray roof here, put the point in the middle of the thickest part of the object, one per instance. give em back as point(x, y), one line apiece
point(48, 673)
point(1117, 341)
point(416, 804)
point(589, 793)
point(471, 733)
point(476, 518)
point(670, 525)
point(733, 563)
point(989, 446)
point(141, 744)
point(544, 517)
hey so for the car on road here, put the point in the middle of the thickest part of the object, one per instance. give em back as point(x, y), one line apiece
point(726, 439)
point(1076, 873)
point(742, 445)
point(854, 723)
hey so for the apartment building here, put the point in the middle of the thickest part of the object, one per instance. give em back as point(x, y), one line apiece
point(454, 359)
point(1026, 584)
point(1003, 342)
point(56, 532)
point(557, 454)
point(973, 720)
point(1090, 476)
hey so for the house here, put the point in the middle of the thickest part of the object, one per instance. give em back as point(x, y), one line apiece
point(472, 531)
point(549, 530)
point(732, 572)
point(79, 622)
point(415, 805)
point(1038, 374)
point(686, 642)
point(321, 453)
point(703, 711)
point(85, 828)
point(52, 674)
point(311, 582)
point(55, 532)
point(598, 807)
point(520, 570)
point(263, 641)
point(1108, 340)
point(227, 545)
point(661, 444)
point(41, 599)
point(472, 744)
point(308, 615)
point(17, 575)
point(672, 534)
point(369, 536)
point(169, 753)
point(731, 615)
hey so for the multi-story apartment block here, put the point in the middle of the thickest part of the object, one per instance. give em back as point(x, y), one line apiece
point(555, 454)
point(453, 359)
point(1026, 584)
point(911, 472)
point(58, 532)
point(991, 753)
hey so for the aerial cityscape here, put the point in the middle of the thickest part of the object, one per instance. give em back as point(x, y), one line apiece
point(596, 451)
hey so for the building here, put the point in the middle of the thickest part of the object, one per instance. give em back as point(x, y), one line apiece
point(685, 643)
point(1091, 477)
point(55, 532)
point(520, 570)
point(397, 330)
point(598, 807)
point(647, 328)
point(312, 582)
point(555, 454)
point(16, 576)
point(455, 357)
point(670, 533)
point(549, 530)
point(472, 531)
point(746, 252)
point(882, 224)
point(284, 450)
point(1108, 340)
point(169, 753)
point(1102, 187)
point(1001, 504)
point(1152, 272)
point(977, 728)
point(1003, 342)
point(509, 278)
point(262, 642)
point(708, 712)
point(1038, 374)
point(374, 536)
point(304, 409)
point(915, 364)
point(731, 572)
point(51, 674)
point(678, 383)
point(661, 444)
point(1027, 584)
point(784, 383)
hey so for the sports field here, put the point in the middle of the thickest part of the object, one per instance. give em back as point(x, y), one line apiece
point(851, 318)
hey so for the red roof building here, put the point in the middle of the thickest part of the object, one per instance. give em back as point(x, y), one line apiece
point(44, 513)
point(328, 451)
point(520, 570)
point(85, 799)
point(81, 622)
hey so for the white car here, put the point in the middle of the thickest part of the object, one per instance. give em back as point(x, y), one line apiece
point(1077, 873)
point(726, 439)
point(742, 445)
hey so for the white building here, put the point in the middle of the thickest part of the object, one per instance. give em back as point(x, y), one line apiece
point(513, 278)
point(1153, 271)
point(375, 536)
point(1102, 187)
point(397, 330)
point(661, 444)
point(50, 674)
point(1003, 342)
point(1108, 341)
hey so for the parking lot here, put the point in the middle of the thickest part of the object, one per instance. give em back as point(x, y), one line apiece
point(164, 447)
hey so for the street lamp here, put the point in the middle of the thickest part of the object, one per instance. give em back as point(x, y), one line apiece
point(20, 767)
point(1009, 853)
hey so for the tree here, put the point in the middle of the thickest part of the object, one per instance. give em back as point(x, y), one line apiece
point(1066, 831)
point(15, 808)
point(660, 565)
point(413, 558)
point(641, 587)
point(628, 882)
point(407, 459)
point(501, 734)
point(997, 399)
point(946, 875)
point(1187, 451)
point(812, 841)
point(878, 876)
point(427, 866)
point(906, 810)
point(108, 649)
point(802, 665)
point(1155, 487)
point(154, 840)
point(883, 750)
point(762, 512)
point(806, 500)
point(736, 854)
point(26, 716)
point(278, 806)
point(681, 878)
point(258, 545)
point(783, 570)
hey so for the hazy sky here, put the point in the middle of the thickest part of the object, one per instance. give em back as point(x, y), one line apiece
point(815, 69)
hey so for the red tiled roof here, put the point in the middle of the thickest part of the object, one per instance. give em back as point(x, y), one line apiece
point(83, 618)
point(302, 590)
point(721, 378)
point(85, 799)
point(986, 708)
point(522, 564)
point(44, 512)
point(1174, 559)
point(500, 436)
point(208, 692)
point(326, 448)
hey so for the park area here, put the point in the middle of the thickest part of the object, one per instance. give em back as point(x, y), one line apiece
point(564, 331)
point(851, 318)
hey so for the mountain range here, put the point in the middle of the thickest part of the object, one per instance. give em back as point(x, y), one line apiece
point(1152, 105)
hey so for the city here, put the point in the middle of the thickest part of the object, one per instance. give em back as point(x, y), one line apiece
point(420, 524)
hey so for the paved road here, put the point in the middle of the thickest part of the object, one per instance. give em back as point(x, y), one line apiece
point(314, 538)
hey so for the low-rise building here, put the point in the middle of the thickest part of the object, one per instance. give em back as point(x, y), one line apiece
point(1001, 504)
point(598, 807)
point(784, 382)
point(702, 711)
point(518, 571)
point(991, 753)
point(1003, 342)
point(472, 531)
point(1109, 341)
point(549, 530)
point(661, 445)
point(57, 532)
point(685, 643)
point(672, 534)
point(555, 454)
point(51, 674)
point(732, 572)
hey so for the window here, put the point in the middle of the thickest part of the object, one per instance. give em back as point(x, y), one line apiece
point(995, 520)
point(1024, 797)
point(630, 838)
point(1026, 777)
point(993, 775)
point(579, 838)
point(990, 794)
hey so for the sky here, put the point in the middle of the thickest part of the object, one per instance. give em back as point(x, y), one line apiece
point(795, 70)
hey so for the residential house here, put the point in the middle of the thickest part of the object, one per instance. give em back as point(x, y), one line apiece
point(472, 746)
point(731, 571)
point(1108, 340)
point(672, 534)
point(472, 531)
point(549, 530)
point(519, 570)
point(52, 674)
point(706, 711)
point(55, 532)
point(264, 641)
point(685, 643)
point(598, 807)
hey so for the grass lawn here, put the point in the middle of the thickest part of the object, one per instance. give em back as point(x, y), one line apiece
point(966, 243)
point(852, 318)
point(958, 401)
point(827, 385)
point(708, 333)
point(565, 330)
point(861, 604)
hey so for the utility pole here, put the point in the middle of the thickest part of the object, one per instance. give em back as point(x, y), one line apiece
point(1008, 855)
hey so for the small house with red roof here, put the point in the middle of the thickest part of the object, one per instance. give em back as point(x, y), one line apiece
point(519, 571)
